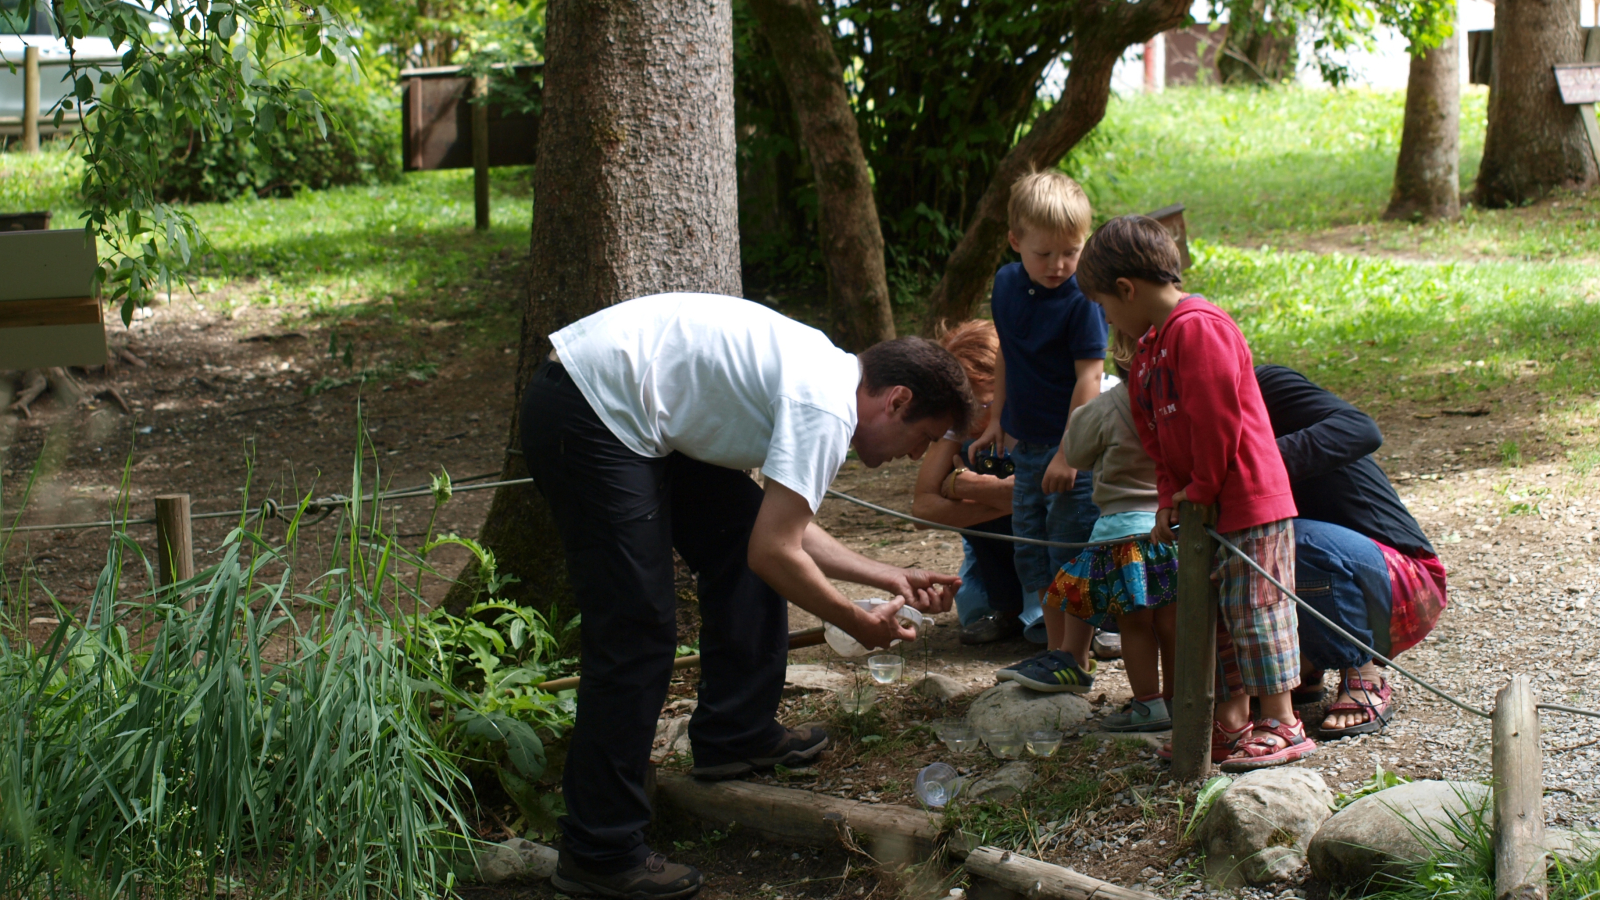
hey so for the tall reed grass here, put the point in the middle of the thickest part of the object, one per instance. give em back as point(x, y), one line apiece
point(267, 741)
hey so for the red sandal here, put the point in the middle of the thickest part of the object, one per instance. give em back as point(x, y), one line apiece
point(1261, 750)
point(1378, 713)
point(1223, 742)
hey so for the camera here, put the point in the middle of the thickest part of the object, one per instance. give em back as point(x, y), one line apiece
point(991, 463)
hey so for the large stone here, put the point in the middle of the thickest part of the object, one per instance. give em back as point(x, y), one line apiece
point(1258, 829)
point(516, 860)
point(1005, 783)
point(939, 687)
point(814, 678)
point(1382, 834)
point(1011, 705)
point(672, 736)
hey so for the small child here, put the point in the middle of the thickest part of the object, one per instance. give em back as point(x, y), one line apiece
point(1201, 419)
point(1052, 354)
point(1133, 583)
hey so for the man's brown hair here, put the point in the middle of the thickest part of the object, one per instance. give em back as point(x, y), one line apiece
point(937, 382)
point(1128, 247)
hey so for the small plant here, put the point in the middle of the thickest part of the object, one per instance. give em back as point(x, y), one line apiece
point(1203, 801)
point(1510, 453)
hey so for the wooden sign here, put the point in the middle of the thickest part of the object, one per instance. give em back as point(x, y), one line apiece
point(1579, 82)
point(49, 314)
point(436, 120)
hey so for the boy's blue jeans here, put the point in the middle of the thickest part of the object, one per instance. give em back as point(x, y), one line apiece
point(1342, 575)
point(1067, 516)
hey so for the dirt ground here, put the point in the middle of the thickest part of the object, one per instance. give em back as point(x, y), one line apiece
point(225, 397)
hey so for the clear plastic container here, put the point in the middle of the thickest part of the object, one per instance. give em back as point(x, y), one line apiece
point(959, 737)
point(845, 645)
point(856, 700)
point(885, 668)
point(937, 785)
point(1004, 744)
point(1043, 743)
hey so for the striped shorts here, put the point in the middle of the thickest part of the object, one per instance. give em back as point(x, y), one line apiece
point(1258, 642)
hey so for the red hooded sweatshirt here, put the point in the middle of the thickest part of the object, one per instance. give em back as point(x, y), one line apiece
point(1201, 418)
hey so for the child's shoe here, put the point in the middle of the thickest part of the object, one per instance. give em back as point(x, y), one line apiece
point(1010, 672)
point(1272, 744)
point(1141, 715)
point(1223, 742)
point(1055, 672)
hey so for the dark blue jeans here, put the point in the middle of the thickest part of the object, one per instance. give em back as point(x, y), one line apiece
point(1343, 576)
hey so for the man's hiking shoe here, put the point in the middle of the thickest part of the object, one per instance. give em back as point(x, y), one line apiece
point(1140, 715)
point(1010, 672)
point(990, 628)
point(1055, 672)
point(798, 747)
point(655, 877)
point(1106, 645)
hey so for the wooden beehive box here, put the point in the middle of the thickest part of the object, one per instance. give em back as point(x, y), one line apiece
point(49, 314)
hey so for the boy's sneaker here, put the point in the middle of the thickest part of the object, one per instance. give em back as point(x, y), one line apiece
point(655, 877)
point(1010, 672)
point(1055, 672)
point(1140, 715)
point(798, 747)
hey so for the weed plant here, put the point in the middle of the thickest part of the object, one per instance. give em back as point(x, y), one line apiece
point(233, 734)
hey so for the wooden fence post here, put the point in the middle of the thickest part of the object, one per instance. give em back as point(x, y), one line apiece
point(30, 100)
point(1519, 854)
point(480, 152)
point(1194, 694)
point(174, 541)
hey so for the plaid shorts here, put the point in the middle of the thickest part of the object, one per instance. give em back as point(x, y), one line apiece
point(1258, 642)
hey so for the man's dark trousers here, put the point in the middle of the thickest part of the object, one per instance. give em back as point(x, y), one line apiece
point(620, 516)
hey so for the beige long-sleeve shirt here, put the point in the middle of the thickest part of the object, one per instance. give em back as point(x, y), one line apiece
point(1101, 436)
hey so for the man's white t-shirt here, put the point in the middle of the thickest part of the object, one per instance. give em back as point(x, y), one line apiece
point(721, 380)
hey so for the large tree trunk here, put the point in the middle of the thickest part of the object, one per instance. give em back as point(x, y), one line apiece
point(852, 242)
point(634, 194)
point(1427, 176)
point(1535, 143)
point(1100, 37)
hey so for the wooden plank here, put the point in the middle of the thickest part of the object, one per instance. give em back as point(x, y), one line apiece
point(47, 265)
point(892, 834)
point(1037, 880)
point(1578, 82)
point(1519, 854)
point(52, 345)
point(174, 541)
point(480, 153)
point(806, 637)
point(65, 311)
point(1194, 697)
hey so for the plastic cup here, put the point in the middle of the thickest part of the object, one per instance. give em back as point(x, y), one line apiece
point(1004, 743)
point(885, 668)
point(857, 700)
point(937, 785)
point(959, 736)
point(1043, 743)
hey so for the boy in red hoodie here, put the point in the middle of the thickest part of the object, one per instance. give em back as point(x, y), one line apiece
point(1200, 416)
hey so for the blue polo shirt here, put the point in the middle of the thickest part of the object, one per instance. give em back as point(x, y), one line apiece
point(1043, 333)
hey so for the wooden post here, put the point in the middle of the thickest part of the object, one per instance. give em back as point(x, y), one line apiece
point(30, 100)
point(174, 541)
point(480, 152)
point(1519, 855)
point(1194, 694)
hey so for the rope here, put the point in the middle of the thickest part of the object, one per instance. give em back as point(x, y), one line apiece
point(969, 532)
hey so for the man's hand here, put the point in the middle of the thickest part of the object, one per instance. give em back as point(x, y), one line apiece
point(927, 592)
point(1166, 518)
point(1058, 476)
point(879, 628)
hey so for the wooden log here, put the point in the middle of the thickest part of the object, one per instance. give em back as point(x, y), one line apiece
point(174, 541)
point(889, 833)
point(1519, 848)
point(1037, 880)
point(480, 152)
point(807, 637)
point(1194, 694)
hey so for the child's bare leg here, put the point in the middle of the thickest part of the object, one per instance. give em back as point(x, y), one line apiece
point(1234, 712)
point(1165, 621)
point(1076, 634)
point(1141, 652)
point(1278, 706)
point(1055, 625)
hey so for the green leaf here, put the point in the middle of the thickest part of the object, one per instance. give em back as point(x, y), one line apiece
point(228, 26)
point(83, 88)
point(523, 746)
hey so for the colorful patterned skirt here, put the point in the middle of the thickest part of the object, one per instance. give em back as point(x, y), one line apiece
point(1105, 582)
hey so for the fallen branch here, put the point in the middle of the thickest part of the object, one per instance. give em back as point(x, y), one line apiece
point(33, 384)
point(1043, 881)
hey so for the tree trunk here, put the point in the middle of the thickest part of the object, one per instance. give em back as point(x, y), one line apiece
point(1427, 176)
point(634, 194)
point(1105, 31)
point(852, 242)
point(1535, 143)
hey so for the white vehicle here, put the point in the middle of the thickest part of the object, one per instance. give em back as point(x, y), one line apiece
point(18, 32)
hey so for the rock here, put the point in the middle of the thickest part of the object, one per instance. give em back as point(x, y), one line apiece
point(1152, 739)
point(1369, 838)
point(1011, 705)
point(672, 736)
point(815, 678)
point(1572, 847)
point(939, 687)
point(516, 860)
point(1258, 829)
point(1003, 784)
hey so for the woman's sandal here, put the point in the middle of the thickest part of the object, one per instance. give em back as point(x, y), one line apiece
point(1223, 742)
point(1262, 749)
point(1378, 714)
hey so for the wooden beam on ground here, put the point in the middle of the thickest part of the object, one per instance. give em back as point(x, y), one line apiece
point(806, 637)
point(890, 833)
point(1194, 694)
point(1519, 848)
point(1041, 880)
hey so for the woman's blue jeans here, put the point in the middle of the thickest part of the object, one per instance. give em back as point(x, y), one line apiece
point(1342, 575)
